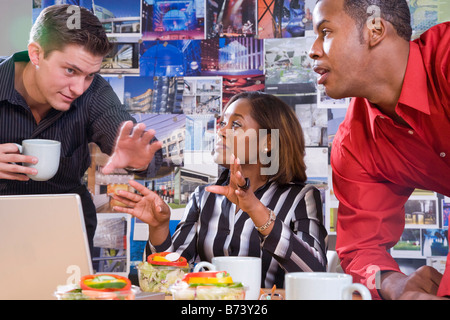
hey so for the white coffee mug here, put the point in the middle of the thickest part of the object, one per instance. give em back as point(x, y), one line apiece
point(246, 270)
point(47, 152)
point(322, 286)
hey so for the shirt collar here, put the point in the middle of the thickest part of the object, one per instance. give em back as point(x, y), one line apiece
point(414, 92)
point(7, 70)
point(373, 112)
point(415, 88)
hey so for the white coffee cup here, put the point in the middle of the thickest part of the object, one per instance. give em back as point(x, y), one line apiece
point(246, 270)
point(322, 286)
point(47, 152)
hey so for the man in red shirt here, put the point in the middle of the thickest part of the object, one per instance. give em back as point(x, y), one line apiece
point(395, 136)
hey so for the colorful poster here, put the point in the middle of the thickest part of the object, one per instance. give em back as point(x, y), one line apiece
point(172, 19)
point(170, 58)
point(283, 18)
point(230, 18)
point(154, 94)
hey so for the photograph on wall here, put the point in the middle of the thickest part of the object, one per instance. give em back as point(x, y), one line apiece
point(241, 55)
point(284, 18)
point(232, 57)
point(289, 62)
point(335, 118)
point(173, 19)
point(421, 211)
point(427, 13)
point(138, 240)
point(438, 263)
point(314, 123)
point(230, 18)
point(117, 83)
point(234, 84)
point(170, 58)
point(316, 160)
point(331, 204)
point(288, 70)
point(191, 179)
point(170, 130)
point(199, 146)
point(324, 101)
point(122, 59)
point(209, 56)
point(110, 243)
point(154, 94)
point(435, 242)
point(202, 95)
point(445, 211)
point(331, 220)
point(119, 18)
point(409, 245)
point(200, 133)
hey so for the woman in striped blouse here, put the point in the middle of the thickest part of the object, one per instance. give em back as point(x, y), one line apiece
point(260, 206)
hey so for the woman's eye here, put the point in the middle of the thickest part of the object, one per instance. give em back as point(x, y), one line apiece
point(235, 125)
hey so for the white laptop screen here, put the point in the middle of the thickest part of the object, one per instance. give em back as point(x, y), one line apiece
point(43, 244)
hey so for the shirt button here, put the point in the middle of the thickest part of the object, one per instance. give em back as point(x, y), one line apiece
point(442, 154)
point(410, 132)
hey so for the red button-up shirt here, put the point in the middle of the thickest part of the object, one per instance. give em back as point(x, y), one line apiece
point(378, 163)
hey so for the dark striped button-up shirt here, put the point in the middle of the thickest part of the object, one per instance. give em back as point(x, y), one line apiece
point(210, 227)
point(95, 116)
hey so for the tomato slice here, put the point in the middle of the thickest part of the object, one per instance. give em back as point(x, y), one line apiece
point(160, 260)
point(105, 282)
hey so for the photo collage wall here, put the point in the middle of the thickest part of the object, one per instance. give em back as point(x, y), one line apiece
point(175, 64)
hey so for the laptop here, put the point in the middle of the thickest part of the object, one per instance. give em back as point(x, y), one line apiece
point(43, 244)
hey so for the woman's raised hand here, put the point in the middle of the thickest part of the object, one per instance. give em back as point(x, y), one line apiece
point(239, 190)
point(146, 206)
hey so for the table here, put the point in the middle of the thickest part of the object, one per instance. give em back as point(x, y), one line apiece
point(282, 292)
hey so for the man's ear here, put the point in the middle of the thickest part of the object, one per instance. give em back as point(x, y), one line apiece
point(35, 52)
point(377, 30)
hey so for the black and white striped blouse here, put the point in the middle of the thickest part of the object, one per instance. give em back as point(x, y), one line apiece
point(210, 227)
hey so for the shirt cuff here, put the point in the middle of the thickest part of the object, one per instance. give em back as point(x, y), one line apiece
point(275, 242)
point(165, 246)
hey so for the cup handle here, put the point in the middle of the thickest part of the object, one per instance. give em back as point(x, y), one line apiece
point(203, 264)
point(20, 150)
point(20, 147)
point(347, 294)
